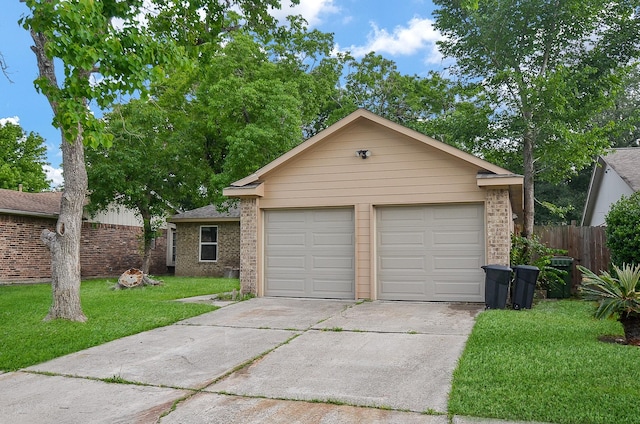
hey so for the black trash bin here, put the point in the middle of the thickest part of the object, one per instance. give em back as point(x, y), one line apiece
point(496, 286)
point(524, 285)
point(557, 290)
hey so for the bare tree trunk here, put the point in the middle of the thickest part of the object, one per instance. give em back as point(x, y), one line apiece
point(147, 237)
point(64, 243)
point(529, 173)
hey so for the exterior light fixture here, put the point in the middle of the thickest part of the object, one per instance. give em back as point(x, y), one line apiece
point(363, 153)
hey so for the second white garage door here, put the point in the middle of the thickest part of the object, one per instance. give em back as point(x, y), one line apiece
point(431, 252)
point(310, 253)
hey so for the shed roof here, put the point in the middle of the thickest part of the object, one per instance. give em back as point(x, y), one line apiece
point(208, 213)
point(34, 204)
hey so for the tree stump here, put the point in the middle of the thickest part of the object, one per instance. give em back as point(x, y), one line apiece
point(135, 278)
point(131, 278)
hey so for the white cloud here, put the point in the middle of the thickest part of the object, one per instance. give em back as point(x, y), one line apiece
point(418, 35)
point(54, 174)
point(312, 10)
point(12, 120)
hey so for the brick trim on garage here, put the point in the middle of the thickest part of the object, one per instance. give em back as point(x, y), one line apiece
point(248, 245)
point(499, 226)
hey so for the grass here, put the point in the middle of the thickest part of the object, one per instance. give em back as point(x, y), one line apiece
point(547, 364)
point(25, 339)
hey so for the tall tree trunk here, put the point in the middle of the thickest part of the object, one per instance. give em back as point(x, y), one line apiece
point(64, 243)
point(529, 173)
point(147, 236)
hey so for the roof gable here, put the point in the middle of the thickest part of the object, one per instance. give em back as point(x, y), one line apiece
point(352, 120)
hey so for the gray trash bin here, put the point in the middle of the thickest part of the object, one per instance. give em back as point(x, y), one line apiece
point(524, 285)
point(496, 286)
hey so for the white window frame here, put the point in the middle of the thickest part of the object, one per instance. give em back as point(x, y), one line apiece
point(208, 243)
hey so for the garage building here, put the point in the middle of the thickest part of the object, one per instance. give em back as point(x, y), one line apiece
point(369, 209)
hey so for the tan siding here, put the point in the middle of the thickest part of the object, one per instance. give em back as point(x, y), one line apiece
point(399, 171)
point(363, 251)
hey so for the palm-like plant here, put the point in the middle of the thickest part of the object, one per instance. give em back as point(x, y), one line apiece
point(616, 296)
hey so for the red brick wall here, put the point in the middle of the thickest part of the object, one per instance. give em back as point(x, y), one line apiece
point(106, 250)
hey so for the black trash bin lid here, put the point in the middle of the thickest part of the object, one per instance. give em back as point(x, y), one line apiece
point(496, 267)
point(529, 267)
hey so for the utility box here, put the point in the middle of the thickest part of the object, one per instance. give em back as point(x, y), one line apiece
point(524, 285)
point(562, 291)
point(496, 286)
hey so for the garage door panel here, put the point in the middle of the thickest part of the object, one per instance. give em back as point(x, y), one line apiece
point(444, 213)
point(286, 220)
point(456, 238)
point(406, 238)
point(295, 285)
point(333, 239)
point(459, 263)
point(321, 263)
point(286, 240)
point(332, 285)
point(286, 263)
point(340, 217)
point(431, 252)
point(447, 285)
point(310, 253)
point(405, 287)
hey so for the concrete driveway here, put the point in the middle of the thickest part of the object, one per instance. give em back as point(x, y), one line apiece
point(266, 360)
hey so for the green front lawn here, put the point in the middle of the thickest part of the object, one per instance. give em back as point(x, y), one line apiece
point(26, 340)
point(546, 364)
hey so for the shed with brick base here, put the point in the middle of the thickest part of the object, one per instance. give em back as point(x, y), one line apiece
point(369, 209)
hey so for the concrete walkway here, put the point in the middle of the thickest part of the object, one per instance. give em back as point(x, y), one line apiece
point(266, 360)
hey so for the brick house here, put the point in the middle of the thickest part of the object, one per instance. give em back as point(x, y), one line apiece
point(369, 209)
point(207, 242)
point(110, 242)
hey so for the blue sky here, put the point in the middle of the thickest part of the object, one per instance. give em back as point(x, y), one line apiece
point(399, 30)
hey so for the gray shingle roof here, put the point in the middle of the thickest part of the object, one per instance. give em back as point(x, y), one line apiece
point(626, 163)
point(209, 212)
point(18, 202)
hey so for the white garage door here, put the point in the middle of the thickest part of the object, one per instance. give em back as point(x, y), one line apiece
point(310, 253)
point(431, 252)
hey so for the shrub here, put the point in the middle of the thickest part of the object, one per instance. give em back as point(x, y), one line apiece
point(617, 294)
point(531, 251)
point(623, 230)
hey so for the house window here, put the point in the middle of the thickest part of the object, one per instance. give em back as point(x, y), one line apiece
point(208, 244)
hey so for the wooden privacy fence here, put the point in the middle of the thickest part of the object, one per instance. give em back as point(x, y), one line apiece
point(587, 245)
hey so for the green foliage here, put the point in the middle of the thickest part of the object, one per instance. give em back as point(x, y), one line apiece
point(623, 230)
point(618, 295)
point(27, 340)
point(100, 61)
point(546, 365)
point(530, 251)
point(549, 68)
point(22, 157)
point(253, 98)
point(433, 105)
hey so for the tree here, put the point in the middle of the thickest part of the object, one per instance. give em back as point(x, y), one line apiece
point(253, 98)
point(22, 157)
point(105, 52)
point(153, 167)
point(432, 105)
point(549, 66)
